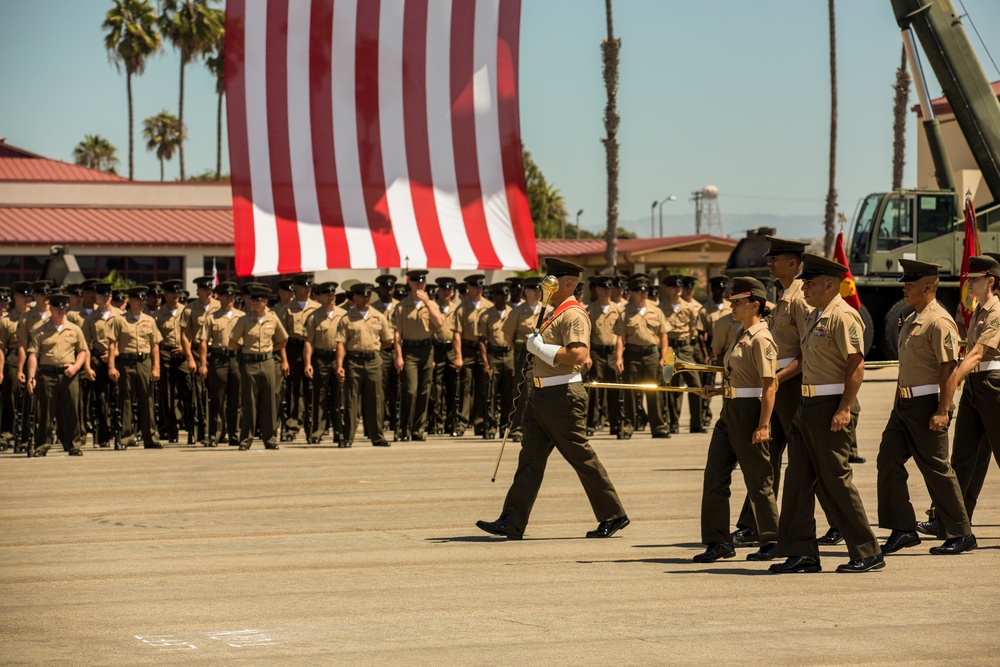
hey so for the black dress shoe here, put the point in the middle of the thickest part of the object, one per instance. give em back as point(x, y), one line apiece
point(404, 438)
point(515, 438)
point(746, 537)
point(766, 552)
point(244, 448)
point(153, 445)
point(714, 552)
point(697, 429)
point(381, 443)
point(928, 527)
point(832, 536)
point(609, 528)
point(955, 545)
point(797, 564)
point(662, 434)
point(853, 458)
point(75, 452)
point(876, 562)
point(675, 429)
point(624, 436)
point(502, 527)
point(590, 433)
point(270, 446)
point(900, 539)
point(420, 437)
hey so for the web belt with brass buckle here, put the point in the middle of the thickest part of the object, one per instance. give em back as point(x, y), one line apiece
point(809, 390)
point(556, 380)
point(920, 390)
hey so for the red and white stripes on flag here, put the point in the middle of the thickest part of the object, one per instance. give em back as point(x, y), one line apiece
point(365, 132)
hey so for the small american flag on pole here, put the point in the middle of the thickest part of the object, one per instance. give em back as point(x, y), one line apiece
point(365, 131)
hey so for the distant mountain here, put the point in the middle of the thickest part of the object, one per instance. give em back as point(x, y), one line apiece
point(737, 224)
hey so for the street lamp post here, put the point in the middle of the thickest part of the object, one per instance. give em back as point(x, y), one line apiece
point(670, 198)
point(578, 214)
point(652, 219)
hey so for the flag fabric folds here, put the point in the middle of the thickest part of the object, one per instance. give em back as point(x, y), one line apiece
point(372, 133)
point(848, 290)
point(970, 248)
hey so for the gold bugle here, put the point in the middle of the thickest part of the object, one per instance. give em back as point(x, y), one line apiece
point(640, 387)
point(700, 368)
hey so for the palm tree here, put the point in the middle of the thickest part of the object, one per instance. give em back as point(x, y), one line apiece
point(193, 28)
point(96, 152)
point(831, 193)
point(216, 64)
point(132, 37)
point(609, 53)
point(163, 133)
point(902, 89)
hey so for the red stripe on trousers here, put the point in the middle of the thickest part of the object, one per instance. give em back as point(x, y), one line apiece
point(510, 130)
point(418, 156)
point(338, 255)
point(289, 252)
point(463, 128)
point(369, 137)
point(239, 153)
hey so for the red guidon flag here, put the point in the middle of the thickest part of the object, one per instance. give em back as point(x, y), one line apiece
point(363, 133)
point(848, 290)
point(970, 248)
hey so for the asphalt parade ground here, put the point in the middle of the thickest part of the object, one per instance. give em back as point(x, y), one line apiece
point(320, 556)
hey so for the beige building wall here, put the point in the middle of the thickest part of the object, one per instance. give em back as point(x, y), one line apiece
point(964, 168)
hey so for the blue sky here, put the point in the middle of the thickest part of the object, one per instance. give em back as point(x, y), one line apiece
point(730, 93)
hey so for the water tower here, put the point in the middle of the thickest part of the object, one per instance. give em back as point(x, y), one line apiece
point(706, 210)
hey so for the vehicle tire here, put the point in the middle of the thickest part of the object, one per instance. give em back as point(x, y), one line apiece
point(866, 319)
point(890, 328)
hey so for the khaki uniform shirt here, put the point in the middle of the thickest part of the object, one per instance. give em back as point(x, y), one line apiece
point(258, 336)
point(218, 326)
point(984, 328)
point(412, 319)
point(467, 317)
point(57, 348)
point(603, 321)
point(321, 328)
point(641, 327)
point(294, 318)
point(752, 358)
point(169, 324)
point(8, 331)
point(27, 324)
point(709, 314)
point(492, 323)
point(74, 317)
point(926, 340)
point(193, 317)
point(830, 337)
point(682, 321)
point(571, 326)
point(522, 321)
point(724, 333)
point(364, 333)
point(95, 329)
point(386, 310)
point(447, 331)
point(788, 321)
point(134, 335)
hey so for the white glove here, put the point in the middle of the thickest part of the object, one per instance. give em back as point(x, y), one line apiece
point(544, 351)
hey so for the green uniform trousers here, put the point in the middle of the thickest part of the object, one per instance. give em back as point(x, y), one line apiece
point(604, 402)
point(500, 393)
point(817, 460)
point(175, 394)
point(297, 388)
point(8, 390)
point(471, 389)
point(556, 418)
point(259, 405)
point(731, 444)
point(58, 397)
point(683, 352)
point(418, 375)
point(978, 417)
point(786, 403)
point(642, 369)
point(136, 390)
point(907, 435)
point(223, 398)
point(390, 385)
point(326, 391)
point(444, 398)
point(524, 378)
point(363, 377)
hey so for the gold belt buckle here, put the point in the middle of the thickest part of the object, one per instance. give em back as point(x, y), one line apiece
point(905, 392)
point(537, 382)
point(727, 392)
point(808, 390)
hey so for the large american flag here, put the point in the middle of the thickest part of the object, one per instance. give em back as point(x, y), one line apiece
point(376, 133)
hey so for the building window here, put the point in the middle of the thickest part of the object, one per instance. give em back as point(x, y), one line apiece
point(19, 267)
point(141, 269)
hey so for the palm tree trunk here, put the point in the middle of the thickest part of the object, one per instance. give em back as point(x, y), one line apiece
point(161, 170)
point(899, 123)
point(131, 148)
point(218, 141)
point(180, 118)
point(609, 52)
point(831, 193)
